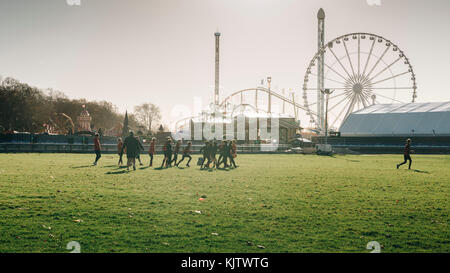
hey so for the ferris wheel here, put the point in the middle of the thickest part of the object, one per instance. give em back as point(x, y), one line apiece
point(358, 69)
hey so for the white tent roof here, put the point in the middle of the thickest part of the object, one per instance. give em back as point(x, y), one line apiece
point(400, 119)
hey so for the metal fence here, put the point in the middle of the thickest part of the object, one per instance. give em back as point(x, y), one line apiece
point(112, 148)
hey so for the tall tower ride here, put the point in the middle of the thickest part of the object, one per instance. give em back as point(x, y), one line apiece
point(320, 70)
point(216, 82)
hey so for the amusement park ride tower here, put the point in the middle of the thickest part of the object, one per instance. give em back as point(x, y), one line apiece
point(320, 69)
point(216, 77)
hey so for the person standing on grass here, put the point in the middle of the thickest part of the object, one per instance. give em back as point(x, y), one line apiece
point(167, 153)
point(233, 152)
point(204, 152)
point(208, 149)
point(222, 157)
point(97, 148)
point(119, 150)
point(186, 153)
point(138, 154)
point(407, 154)
point(176, 150)
point(213, 153)
point(151, 151)
point(131, 145)
point(164, 149)
point(229, 154)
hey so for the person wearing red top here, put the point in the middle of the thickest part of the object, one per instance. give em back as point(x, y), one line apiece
point(186, 153)
point(151, 151)
point(119, 149)
point(407, 154)
point(97, 148)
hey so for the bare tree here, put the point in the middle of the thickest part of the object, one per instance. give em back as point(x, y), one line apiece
point(147, 113)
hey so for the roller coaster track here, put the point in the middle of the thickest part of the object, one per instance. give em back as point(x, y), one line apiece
point(276, 95)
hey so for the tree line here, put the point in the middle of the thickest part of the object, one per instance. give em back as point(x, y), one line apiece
point(25, 108)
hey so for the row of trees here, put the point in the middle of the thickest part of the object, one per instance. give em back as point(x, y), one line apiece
point(25, 108)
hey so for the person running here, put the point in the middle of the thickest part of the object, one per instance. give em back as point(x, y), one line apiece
point(97, 148)
point(186, 153)
point(132, 146)
point(138, 154)
point(119, 149)
point(204, 151)
point(213, 153)
point(233, 152)
point(176, 150)
point(407, 154)
point(151, 151)
point(229, 154)
point(208, 153)
point(167, 153)
point(222, 154)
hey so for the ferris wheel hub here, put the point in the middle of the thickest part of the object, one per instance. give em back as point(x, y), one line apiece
point(357, 88)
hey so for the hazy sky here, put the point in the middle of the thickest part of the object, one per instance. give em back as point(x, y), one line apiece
point(162, 51)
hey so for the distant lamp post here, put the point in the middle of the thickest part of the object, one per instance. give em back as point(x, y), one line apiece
point(269, 79)
point(292, 93)
point(327, 93)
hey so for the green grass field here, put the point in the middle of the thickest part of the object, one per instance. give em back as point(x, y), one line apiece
point(271, 203)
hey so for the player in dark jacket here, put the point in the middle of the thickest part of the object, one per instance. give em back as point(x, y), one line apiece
point(205, 152)
point(152, 151)
point(186, 153)
point(213, 153)
point(132, 146)
point(230, 154)
point(176, 150)
point(407, 154)
point(167, 149)
point(222, 154)
point(138, 154)
point(97, 148)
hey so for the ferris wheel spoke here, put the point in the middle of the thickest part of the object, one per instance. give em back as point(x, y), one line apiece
point(392, 88)
point(386, 68)
point(336, 96)
point(340, 113)
point(329, 67)
point(330, 79)
point(351, 107)
point(330, 98)
point(395, 76)
point(386, 97)
point(364, 100)
point(339, 61)
point(359, 54)
point(365, 96)
point(331, 88)
point(368, 57)
point(334, 106)
point(349, 60)
point(379, 60)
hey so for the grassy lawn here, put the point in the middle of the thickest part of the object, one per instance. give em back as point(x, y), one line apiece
point(271, 203)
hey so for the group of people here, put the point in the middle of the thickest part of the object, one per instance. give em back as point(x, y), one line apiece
point(171, 153)
point(226, 150)
point(132, 147)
